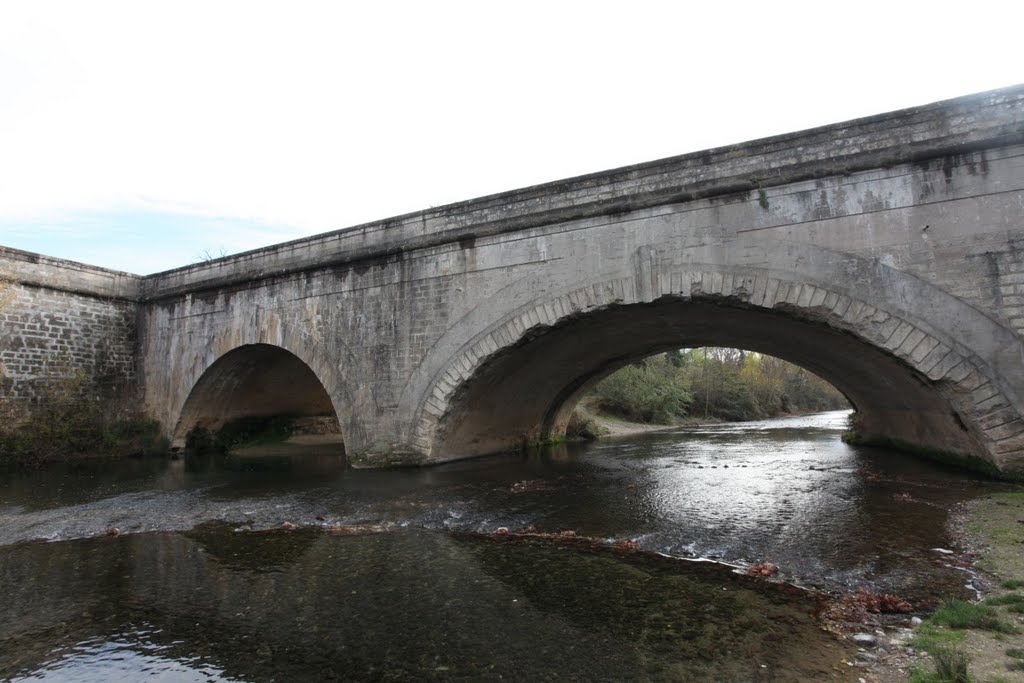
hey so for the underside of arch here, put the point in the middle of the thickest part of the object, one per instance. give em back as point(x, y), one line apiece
point(527, 392)
point(257, 380)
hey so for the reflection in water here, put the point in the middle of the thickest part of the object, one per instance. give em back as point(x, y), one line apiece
point(788, 491)
point(122, 658)
point(408, 605)
point(209, 603)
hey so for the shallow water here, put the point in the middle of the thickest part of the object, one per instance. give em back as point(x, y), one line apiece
point(411, 605)
point(429, 601)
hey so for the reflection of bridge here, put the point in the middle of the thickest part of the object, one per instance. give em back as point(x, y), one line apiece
point(883, 254)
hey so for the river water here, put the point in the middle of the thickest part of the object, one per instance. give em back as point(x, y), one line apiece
point(398, 575)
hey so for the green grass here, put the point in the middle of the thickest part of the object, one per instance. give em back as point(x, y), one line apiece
point(1011, 599)
point(931, 638)
point(1015, 652)
point(1012, 584)
point(951, 666)
point(957, 614)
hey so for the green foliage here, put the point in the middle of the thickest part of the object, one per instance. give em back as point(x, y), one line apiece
point(1015, 652)
point(762, 199)
point(951, 666)
point(1012, 584)
point(238, 433)
point(68, 421)
point(931, 638)
point(713, 383)
point(1010, 599)
point(645, 393)
point(958, 614)
point(252, 430)
point(582, 426)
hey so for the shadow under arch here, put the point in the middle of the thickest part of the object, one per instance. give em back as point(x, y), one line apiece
point(527, 390)
point(257, 380)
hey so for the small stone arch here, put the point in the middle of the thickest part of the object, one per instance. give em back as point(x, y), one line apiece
point(980, 422)
point(257, 380)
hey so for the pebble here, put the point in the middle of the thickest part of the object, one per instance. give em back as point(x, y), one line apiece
point(943, 551)
point(916, 621)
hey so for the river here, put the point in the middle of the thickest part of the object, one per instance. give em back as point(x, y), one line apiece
point(400, 575)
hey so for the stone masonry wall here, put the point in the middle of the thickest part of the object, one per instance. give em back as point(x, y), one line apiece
point(62, 320)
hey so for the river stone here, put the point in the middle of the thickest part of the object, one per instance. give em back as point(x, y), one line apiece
point(864, 639)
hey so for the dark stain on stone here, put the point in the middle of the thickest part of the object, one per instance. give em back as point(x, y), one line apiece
point(467, 242)
point(992, 276)
point(948, 164)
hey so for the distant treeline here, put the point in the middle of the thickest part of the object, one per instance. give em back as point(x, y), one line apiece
point(712, 383)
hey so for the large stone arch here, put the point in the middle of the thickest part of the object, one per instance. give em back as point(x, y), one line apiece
point(253, 380)
point(909, 340)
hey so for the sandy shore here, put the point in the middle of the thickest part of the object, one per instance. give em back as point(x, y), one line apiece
point(613, 426)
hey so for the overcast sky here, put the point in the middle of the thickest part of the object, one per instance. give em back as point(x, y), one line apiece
point(144, 135)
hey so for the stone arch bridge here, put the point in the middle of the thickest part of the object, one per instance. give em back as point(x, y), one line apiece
point(884, 254)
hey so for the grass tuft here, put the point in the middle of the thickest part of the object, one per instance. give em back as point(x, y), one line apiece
point(951, 666)
point(958, 614)
point(1011, 599)
point(931, 638)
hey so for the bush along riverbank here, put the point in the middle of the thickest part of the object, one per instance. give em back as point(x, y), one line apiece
point(702, 385)
point(69, 420)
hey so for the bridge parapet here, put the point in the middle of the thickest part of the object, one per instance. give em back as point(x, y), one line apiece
point(933, 135)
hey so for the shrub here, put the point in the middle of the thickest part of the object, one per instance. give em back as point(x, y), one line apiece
point(68, 420)
point(643, 394)
point(582, 426)
point(240, 432)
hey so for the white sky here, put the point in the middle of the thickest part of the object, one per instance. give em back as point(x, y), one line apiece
point(140, 135)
